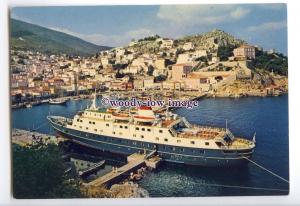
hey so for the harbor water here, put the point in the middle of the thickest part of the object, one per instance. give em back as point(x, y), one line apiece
point(265, 116)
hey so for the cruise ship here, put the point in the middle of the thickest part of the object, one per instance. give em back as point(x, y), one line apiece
point(173, 138)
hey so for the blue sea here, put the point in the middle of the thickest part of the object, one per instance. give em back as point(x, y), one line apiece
point(265, 116)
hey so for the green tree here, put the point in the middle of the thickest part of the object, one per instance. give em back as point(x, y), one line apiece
point(119, 74)
point(38, 172)
point(160, 78)
point(150, 70)
point(278, 63)
point(225, 52)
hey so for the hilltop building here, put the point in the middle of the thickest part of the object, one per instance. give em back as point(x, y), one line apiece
point(188, 46)
point(244, 52)
point(167, 43)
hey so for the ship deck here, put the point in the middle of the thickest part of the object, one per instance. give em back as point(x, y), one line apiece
point(200, 132)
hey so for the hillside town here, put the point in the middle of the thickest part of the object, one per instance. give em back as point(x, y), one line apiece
point(192, 65)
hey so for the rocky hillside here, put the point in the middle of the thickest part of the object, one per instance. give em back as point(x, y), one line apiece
point(210, 41)
point(213, 40)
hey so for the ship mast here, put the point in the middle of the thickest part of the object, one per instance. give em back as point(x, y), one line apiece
point(94, 106)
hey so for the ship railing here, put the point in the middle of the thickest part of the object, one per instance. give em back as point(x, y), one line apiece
point(173, 132)
point(235, 147)
point(230, 135)
point(210, 128)
point(186, 122)
point(61, 120)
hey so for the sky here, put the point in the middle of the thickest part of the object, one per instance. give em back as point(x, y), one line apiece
point(264, 25)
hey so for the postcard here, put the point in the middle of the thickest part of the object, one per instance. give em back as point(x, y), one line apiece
point(144, 101)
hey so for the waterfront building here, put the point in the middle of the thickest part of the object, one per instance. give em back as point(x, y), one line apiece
point(138, 84)
point(206, 81)
point(180, 71)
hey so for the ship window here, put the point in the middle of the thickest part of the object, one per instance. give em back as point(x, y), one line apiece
point(137, 128)
point(95, 130)
point(178, 141)
point(149, 130)
point(182, 150)
point(134, 135)
point(126, 127)
point(114, 132)
point(143, 129)
point(107, 125)
point(94, 123)
point(86, 128)
point(156, 138)
point(206, 143)
point(160, 131)
point(201, 151)
point(192, 142)
point(81, 120)
point(166, 139)
point(142, 136)
point(121, 126)
point(120, 133)
point(173, 148)
point(90, 122)
point(77, 120)
point(80, 127)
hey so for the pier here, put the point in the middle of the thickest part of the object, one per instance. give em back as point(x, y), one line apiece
point(26, 138)
point(134, 162)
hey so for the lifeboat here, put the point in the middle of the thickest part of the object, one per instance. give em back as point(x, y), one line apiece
point(121, 116)
point(111, 110)
point(144, 114)
point(143, 118)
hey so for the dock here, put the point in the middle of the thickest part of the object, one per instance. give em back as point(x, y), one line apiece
point(134, 162)
point(26, 138)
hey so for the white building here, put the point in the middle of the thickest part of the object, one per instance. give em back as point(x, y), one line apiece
point(167, 43)
point(188, 46)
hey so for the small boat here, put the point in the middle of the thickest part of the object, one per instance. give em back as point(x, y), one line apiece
point(58, 101)
point(36, 103)
point(143, 119)
point(28, 105)
point(144, 114)
point(68, 170)
point(121, 116)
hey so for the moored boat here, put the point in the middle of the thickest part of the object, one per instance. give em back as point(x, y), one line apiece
point(167, 134)
point(58, 101)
